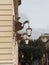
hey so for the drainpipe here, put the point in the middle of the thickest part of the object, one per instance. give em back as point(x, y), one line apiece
point(15, 44)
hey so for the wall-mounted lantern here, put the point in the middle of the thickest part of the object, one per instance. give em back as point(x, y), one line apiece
point(19, 26)
point(29, 31)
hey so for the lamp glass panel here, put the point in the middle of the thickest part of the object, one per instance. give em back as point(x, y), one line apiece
point(29, 32)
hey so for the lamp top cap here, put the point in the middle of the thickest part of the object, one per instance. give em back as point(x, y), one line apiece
point(29, 29)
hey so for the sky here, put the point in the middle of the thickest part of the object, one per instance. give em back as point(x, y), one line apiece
point(36, 11)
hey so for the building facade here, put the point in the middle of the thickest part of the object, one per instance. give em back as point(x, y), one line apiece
point(8, 49)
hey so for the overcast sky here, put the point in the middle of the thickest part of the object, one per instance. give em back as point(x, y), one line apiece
point(36, 11)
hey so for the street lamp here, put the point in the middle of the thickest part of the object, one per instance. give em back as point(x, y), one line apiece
point(29, 30)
